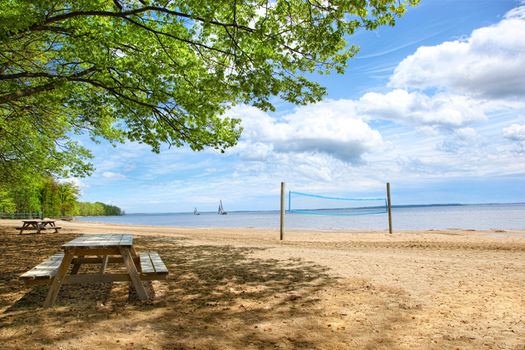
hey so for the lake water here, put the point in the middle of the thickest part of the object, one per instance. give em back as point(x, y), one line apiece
point(478, 217)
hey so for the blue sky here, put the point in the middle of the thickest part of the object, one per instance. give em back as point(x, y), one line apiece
point(435, 106)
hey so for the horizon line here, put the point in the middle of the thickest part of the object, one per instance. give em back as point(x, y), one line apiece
point(393, 206)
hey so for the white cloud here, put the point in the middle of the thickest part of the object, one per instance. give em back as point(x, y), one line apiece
point(254, 151)
point(330, 127)
point(490, 63)
point(459, 140)
point(112, 175)
point(443, 110)
point(515, 132)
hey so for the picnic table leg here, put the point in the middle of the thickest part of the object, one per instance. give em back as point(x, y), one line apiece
point(58, 279)
point(133, 274)
point(104, 264)
point(75, 268)
point(38, 228)
point(24, 226)
point(53, 226)
point(136, 258)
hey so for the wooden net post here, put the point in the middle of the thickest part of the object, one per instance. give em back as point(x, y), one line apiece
point(282, 212)
point(389, 207)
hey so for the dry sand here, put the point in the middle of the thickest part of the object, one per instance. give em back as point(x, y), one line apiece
point(243, 289)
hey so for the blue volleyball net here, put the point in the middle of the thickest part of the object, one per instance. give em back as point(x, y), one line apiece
point(313, 204)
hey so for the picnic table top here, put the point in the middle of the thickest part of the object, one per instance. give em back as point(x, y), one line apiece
point(101, 241)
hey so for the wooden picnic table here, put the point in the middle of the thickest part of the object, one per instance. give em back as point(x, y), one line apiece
point(97, 249)
point(38, 226)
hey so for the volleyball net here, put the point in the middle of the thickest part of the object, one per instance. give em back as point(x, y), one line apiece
point(313, 204)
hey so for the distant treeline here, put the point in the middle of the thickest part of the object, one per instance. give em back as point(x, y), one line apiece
point(97, 209)
point(53, 198)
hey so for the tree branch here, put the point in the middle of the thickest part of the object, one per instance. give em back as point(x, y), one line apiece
point(46, 87)
point(175, 37)
point(124, 14)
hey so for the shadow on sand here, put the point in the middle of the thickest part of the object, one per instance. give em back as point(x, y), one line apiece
point(215, 297)
point(208, 288)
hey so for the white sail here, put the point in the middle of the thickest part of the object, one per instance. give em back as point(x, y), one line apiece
point(221, 209)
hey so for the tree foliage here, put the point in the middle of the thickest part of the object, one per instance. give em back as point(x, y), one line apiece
point(160, 72)
point(53, 198)
point(98, 209)
point(24, 195)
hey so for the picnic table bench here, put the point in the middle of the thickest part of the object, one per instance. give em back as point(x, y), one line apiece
point(100, 249)
point(38, 226)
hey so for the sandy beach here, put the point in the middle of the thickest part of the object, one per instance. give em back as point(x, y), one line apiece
point(244, 289)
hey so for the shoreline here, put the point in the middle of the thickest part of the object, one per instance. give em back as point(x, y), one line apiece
point(119, 226)
point(329, 230)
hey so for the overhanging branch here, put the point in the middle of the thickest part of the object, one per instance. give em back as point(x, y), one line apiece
point(56, 80)
point(124, 14)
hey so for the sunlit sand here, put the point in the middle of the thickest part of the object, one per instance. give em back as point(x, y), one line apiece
point(243, 288)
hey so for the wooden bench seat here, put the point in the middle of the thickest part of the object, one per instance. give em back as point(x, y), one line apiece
point(44, 271)
point(22, 229)
point(29, 228)
point(152, 266)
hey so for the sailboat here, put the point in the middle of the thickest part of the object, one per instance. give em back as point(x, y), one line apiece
point(221, 209)
point(196, 212)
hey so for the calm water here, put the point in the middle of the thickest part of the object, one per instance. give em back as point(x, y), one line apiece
point(479, 217)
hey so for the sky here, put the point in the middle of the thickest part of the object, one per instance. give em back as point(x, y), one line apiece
point(434, 105)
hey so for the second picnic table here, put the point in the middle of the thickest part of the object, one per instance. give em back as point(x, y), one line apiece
point(99, 249)
point(38, 225)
